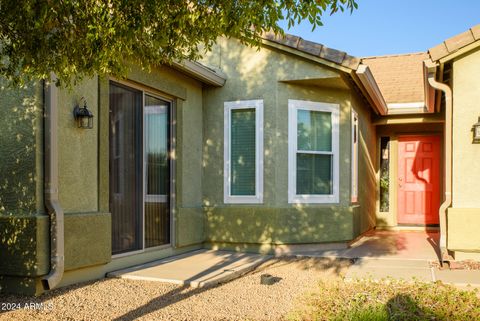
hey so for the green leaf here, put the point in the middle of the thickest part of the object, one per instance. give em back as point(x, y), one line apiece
point(79, 38)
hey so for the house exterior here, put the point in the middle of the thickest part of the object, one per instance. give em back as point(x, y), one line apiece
point(274, 150)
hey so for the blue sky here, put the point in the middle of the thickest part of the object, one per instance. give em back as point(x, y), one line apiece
point(381, 27)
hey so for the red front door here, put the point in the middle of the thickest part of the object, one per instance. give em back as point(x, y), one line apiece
point(418, 179)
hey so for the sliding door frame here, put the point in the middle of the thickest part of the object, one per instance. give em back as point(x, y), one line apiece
point(171, 158)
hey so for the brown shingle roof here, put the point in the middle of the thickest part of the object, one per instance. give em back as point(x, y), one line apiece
point(455, 43)
point(315, 49)
point(399, 77)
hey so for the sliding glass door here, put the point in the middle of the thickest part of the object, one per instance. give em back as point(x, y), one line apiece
point(140, 136)
point(157, 172)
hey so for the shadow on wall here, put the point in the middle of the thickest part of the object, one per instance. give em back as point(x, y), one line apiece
point(260, 229)
point(20, 185)
point(19, 113)
point(268, 75)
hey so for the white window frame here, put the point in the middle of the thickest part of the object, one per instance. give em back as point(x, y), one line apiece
point(334, 109)
point(354, 157)
point(229, 106)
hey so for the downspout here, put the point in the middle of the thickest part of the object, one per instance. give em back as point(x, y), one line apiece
point(431, 69)
point(55, 211)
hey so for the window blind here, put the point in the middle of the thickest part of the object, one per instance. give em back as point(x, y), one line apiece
point(243, 153)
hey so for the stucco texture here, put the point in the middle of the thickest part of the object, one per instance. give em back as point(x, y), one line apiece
point(275, 77)
point(78, 150)
point(23, 223)
point(463, 226)
point(464, 216)
point(21, 185)
point(466, 95)
point(84, 180)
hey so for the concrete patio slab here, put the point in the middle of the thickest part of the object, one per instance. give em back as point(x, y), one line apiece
point(404, 245)
point(397, 254)
point(196, 269)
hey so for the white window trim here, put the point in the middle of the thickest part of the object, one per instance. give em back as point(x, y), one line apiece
point(258, 197)
point(354, 157)
point(293, 107)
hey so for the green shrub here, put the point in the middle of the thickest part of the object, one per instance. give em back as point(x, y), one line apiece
point(388, 300)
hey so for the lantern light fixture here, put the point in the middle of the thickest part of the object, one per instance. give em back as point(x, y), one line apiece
point(82, 115)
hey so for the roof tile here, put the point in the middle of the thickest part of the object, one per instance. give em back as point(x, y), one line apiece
point(332, 55)
point(438, 51)
point(314, 49)
point(459, 41)
point(476, 32)
point(310, 47)
point(351, 62)
point(455, 43)
point(291, 41)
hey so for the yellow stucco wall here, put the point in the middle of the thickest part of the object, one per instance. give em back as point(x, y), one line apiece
point(466, 110)
point(464, 216)
point(463, 226)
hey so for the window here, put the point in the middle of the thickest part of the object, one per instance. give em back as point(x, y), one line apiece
point(313, 152)
point(243, 152)
point(384, 174)
point(354, 159)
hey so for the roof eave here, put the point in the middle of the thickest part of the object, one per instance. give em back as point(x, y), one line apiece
point(369, 85)
point(313, 51)
point(452, 55)
point(200, 72)
point(456, 46)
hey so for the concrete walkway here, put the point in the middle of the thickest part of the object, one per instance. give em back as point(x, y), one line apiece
point(196, 269)
point(403, 255)
point(401, 245)
point(377, 255)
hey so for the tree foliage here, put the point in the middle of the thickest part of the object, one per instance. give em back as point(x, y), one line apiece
point(77, 38)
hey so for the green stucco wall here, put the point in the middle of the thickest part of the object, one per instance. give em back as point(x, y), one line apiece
point(281, 225)
point(365, 209)
point(78, 150)
point(21, 141)
point(84, 180)
point(23, 223)
point(275, 77)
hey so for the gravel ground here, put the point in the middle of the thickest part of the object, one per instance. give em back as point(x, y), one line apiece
point(241, 299)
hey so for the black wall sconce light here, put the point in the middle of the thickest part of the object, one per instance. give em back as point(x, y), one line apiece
point(476, 131)
point(82, 115)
